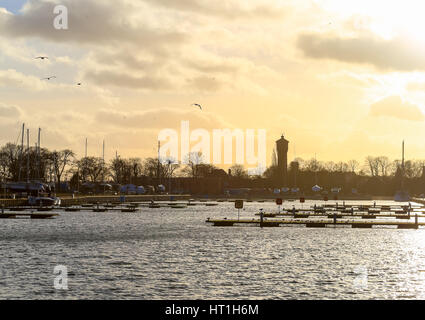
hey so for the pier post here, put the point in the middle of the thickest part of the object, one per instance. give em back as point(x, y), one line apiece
point(352, 211)
point(416, 220)
point(335, 218)
point(261, 218)
point(2, 209)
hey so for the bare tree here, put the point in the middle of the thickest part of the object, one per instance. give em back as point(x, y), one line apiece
point(372, 165)
point(194, 160)
point(353, 165)
point(60, 161)
point(92, 168)
point(239, 171)
point(383, 163)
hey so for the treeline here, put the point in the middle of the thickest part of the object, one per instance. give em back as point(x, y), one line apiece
point(377, 175)
point(20, 164)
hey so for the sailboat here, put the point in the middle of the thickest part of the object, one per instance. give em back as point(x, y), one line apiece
point(316, 187)
point(34, 189)
point(402, 195)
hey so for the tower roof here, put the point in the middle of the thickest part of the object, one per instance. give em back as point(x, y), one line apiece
point(282, 139)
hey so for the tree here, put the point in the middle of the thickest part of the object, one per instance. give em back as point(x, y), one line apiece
point(117, 168)
point(9, 161)
point(372, 165)
point(169, 166)
point(61, 160)
point(383, 164)
point(239, 171)
point(353, 165)
point(136, 167)
point(312, 165)
point(194, 160)
point(92, 169)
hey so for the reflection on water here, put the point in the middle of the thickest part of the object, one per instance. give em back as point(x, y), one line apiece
point(173, 254)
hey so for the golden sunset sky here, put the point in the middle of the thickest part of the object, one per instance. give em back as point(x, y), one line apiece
point(341, 79)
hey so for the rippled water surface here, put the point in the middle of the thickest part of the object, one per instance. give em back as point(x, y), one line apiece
point(173, 254)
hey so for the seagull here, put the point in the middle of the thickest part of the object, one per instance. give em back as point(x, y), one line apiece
point(79, 84)
point(197, 105)
point(49, 78)
point(42, 58)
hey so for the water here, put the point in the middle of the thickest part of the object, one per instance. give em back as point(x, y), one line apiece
point(173, 254)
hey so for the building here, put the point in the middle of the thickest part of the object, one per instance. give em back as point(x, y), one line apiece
point(282, 159)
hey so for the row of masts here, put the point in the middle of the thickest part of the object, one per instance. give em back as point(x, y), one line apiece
point(38, 151)
point(103, 151)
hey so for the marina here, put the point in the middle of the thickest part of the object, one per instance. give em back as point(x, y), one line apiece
point(165, 246)
point(360, 216)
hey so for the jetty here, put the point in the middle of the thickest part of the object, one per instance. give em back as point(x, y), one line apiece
point(313, 223)
point(333, 215)
point(27, 215)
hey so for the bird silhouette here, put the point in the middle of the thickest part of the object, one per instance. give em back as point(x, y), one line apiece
point(49, 78)
point(42, 57)
point(79, 84)
point(197, 105)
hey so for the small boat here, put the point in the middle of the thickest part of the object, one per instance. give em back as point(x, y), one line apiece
point(316, 188)
point(401, 196)
point(44, 201)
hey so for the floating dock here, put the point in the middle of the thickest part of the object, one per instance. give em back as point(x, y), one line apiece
point(29, 215)
point(310, 223)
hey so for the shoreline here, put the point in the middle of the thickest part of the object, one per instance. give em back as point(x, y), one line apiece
point(69, 201)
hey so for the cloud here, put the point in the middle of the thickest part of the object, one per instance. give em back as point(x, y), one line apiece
point(396, 54)
point(416, 86)
point(9, 111)
point(395, 107)
point(14, 79)
point(120, 79)
point(227, 10)
point(90, 22)
point(161, 118)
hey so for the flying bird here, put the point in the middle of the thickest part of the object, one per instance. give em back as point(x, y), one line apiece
point(79, 84)
point(42, 58)
point(197, 105)
point(49, 78)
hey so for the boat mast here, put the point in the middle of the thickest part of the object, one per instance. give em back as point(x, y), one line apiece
point(103, 164)
point(28, 155)
point(38, 150)
point(159, 163)
point(402, 167)
point(295, 167)
point(22, 151)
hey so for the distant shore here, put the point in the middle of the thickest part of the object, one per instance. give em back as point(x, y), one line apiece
point(69, 201)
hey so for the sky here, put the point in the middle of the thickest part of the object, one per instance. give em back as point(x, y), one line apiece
point(340, 79)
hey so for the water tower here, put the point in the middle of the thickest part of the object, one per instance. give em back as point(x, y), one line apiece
point(282, 159)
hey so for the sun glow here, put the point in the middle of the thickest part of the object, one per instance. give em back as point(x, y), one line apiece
point(385, 18)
